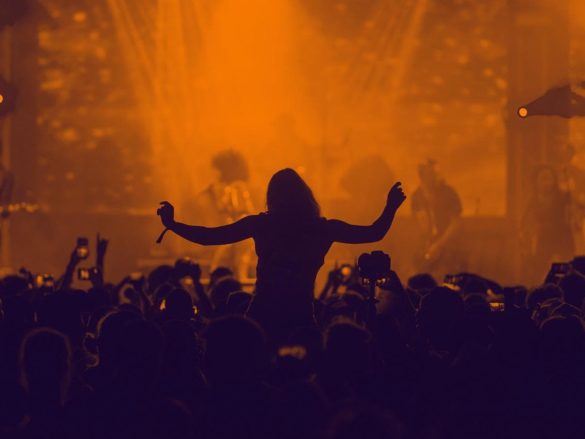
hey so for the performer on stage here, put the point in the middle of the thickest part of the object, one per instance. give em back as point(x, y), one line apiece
point(437, 210)
point(225, 201)
point(546, 234)
point(572, 181)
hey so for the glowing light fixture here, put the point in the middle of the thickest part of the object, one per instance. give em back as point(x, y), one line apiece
point(7, 97)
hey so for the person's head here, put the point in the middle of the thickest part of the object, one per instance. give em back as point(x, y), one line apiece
point(539, 295)
point(348, 348)
point(231, 166)
point(289, 196)
point(218, 274)
point(161, 293)
point(235, 350)
point(62, 312)
point(238, 302)
point(311, 339)
point(428, 175)
point(476, 306)
point(12, 285)
point(421, 282)
point(562, 342)
point(472, 283)
point(573, 287)
point(546, 309)
point(109, 332)
point(45, 366)
point(221, 291)
point(18, 310)
point(159, 276)
point(439, 313)
point(578, 264)
point(179, 305)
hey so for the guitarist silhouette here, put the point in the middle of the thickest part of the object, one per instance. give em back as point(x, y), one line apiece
point(437, 210)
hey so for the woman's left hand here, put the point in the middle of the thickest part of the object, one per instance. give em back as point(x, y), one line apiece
point(396, 196)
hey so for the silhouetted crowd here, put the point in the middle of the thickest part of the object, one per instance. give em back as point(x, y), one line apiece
point(164, 356)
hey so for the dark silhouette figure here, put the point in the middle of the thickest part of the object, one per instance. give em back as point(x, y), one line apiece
point(239, 405)
point(547, 234)
point(573, 287)
point(348, 361)
point(45, 368)
point(439, 312)
point(291, 241)
point(179, 305)
point(467, 359)
point(437, 209)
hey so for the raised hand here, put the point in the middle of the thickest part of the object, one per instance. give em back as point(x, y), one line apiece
point(167, 214)
point(101, 247)
point(396, 196)
point(195, 273)
point(74, 259)
point(96, 277)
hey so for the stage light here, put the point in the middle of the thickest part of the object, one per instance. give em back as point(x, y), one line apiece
point(7, 97)
point(566, 101)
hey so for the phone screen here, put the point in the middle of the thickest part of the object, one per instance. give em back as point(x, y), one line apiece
point(295, 351)
point(44, 281)
point(83, 274)
point(346, 271)
point(82, 248)
point(497, 306)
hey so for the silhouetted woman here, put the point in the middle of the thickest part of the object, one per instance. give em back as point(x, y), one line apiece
point(291, 241)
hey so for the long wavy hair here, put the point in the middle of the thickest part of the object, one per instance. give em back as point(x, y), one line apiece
point(288, 196)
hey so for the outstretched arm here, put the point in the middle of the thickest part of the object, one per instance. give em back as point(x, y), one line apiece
point(341, 231)
point(228, 234)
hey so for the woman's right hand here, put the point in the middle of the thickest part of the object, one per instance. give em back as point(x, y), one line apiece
point(167, 214)
point(396, 196)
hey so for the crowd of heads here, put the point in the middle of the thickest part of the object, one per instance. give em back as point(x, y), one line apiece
point(169, 356)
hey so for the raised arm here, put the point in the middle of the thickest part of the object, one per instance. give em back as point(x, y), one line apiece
point(227, 234)
point(340, 231)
